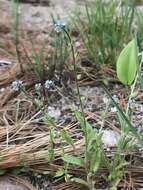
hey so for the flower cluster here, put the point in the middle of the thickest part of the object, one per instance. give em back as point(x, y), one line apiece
point(49, 84)
point(38, 86)
point(132, 103)
point(59, 25)
point(17, 85)
point(115, 98)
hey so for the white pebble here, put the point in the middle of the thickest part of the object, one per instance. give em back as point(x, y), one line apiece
point(110, 138)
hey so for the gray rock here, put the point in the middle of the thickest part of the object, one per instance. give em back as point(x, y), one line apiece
point(7, 184)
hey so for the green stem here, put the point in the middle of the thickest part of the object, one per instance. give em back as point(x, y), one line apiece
point(15, 5)
point(79, 96)
point(131, 94)
point(139, 65)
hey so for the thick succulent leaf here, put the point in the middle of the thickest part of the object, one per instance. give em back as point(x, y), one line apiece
point(127, 63)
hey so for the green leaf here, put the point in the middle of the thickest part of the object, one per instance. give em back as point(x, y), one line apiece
point(67, 137)
point(96, 154)
point(50, 155)
point(16, 170)
point(80, 181)
point(79, 76)
point(3, 171)
point(90, 135)
point(60, 172)
point(127, 63)
point(80, 119)
point(125, 118)
point(52, 136)
point(112, 188)
point(95, 160)
point(73, 160)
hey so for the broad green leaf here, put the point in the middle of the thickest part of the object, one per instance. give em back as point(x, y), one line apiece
point(73, 160)
point(127, 63)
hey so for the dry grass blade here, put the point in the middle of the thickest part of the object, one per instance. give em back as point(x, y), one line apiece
point(69, 186)
point(21, 181)
point(28, 143)
point(24, 139)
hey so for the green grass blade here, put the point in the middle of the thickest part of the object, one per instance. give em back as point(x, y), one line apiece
point(130, 126)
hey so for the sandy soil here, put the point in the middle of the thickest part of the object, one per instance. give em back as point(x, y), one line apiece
point(38, 16)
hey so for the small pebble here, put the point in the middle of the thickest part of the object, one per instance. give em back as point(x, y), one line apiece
point(2, 89)
point(110, 138)
point(54, 112)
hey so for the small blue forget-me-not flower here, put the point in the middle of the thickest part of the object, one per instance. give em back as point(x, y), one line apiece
point(38, 86)
point(59, 25)
point(17, 85)
point(48, 84)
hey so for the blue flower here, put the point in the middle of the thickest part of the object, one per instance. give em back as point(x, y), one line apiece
point(17, 85)
point(59, 25)
point(49, 83)
point(115, 98)
point(38, 86)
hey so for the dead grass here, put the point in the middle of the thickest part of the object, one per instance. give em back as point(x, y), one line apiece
point(24, 138)
point(26, 141)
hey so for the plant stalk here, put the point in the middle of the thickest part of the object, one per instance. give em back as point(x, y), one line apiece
point(79, 96)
